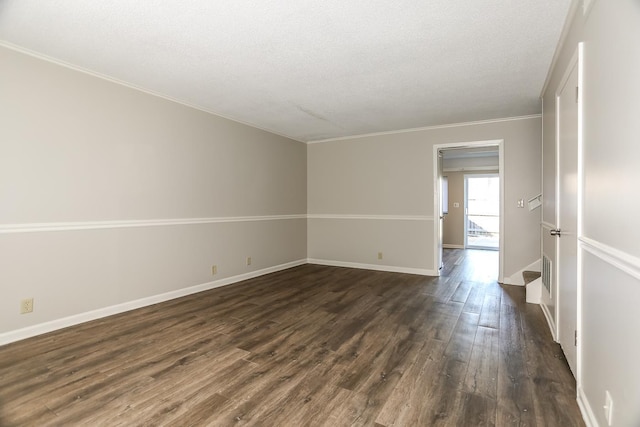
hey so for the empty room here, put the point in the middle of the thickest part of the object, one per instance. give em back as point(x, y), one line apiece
point(319, 213)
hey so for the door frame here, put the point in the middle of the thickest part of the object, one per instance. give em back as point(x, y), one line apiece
point(437, 209)
point(466, 209)
point(576, 62)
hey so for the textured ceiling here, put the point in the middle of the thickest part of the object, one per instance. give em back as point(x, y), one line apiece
point(310, 70)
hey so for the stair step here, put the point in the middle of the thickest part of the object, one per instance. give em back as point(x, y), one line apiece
point(530, 276)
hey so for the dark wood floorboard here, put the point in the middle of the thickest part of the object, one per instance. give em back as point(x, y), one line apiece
point(309, 346)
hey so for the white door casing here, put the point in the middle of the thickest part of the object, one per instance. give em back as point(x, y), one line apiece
point(437, 209)
point(568, 177)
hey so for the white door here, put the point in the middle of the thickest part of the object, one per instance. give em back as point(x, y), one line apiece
point(567, 214)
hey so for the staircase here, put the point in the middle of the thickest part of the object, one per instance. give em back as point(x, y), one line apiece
point(533, 283)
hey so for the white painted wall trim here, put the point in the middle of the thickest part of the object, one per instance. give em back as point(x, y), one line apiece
point(436, 195)
point(517, 279)
point(373, 217)
point(132, 86)
point(389, 268)
point(615, 257)
point(94, 225)
point(451, 125)
point(43, 328)
point(550, 322)
point(586, 410)
point(471, 169)
point(448, 246)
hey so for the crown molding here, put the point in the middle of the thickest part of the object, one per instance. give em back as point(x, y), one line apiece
point(110, 79)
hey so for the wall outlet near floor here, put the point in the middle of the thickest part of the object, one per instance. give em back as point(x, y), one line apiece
point(608, 408)
point(26, 306)
point(379, 255)
point(248, 260)
point(214, 270)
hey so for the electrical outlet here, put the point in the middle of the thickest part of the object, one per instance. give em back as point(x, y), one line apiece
point(248, 260)
point(608, 408)
point(214, 270)
point(379, 255)
point(26, 306)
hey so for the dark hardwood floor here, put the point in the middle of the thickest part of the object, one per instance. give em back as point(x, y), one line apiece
point(312, 345)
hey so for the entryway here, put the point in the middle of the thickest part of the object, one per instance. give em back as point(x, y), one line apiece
point(468, 204)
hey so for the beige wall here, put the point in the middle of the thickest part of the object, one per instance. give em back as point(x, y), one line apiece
point(390, 177)
point(83, 151)
point(608, 351)
point(453, 227)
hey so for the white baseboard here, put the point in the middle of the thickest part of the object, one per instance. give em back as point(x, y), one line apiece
point(43, 328)
point(448, 246)
point(585, 408)
point(376, 267)
point(550, 322)
point(517, 279)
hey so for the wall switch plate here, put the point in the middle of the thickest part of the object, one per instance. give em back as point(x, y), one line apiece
point(379, 255)
point(456, 204)
point(26, 306)
point(214, 270)
point(521, 203)
point(248, 260)
point(608, 408)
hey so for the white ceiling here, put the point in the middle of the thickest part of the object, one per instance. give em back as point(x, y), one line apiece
point(309, 70)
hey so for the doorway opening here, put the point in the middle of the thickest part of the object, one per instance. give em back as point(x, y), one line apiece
point(482, 211)
point(480, 227)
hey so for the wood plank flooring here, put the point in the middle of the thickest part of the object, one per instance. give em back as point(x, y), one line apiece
point(308, 346)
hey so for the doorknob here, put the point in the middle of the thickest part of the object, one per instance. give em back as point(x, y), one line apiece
point(556, 232)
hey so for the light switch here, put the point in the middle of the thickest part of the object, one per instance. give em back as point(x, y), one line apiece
point(456, 204)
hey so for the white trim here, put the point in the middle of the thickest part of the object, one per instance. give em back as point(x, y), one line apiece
point(134, 87)
point(573, 8)
point(579, 220)
point(419, 129)
point(42, 328)
point(471, 169)
point(95, 225)
point(436, 195)
point(585, 408)
point(206, 110)
point(615, 257)
point(575, 63)
point(517, 279)
point(550, 322)
point(448, 246)
point(389, 268)
point(372, 217)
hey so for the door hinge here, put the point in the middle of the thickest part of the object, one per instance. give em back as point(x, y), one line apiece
point(577, 94)
point(576, 338)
